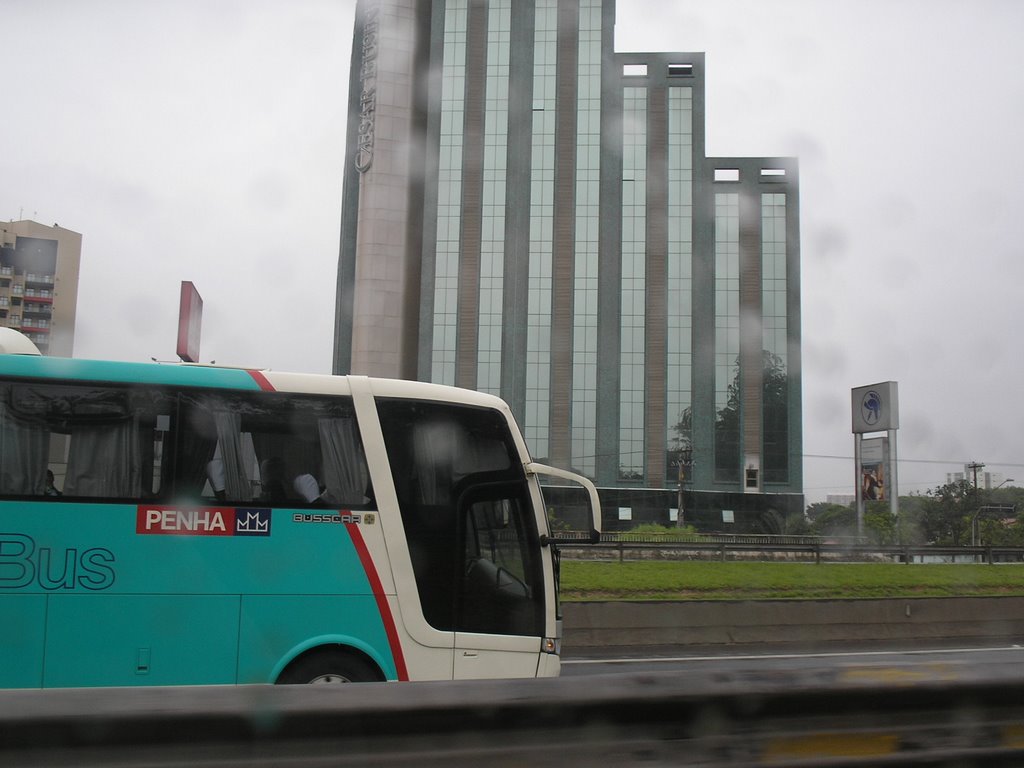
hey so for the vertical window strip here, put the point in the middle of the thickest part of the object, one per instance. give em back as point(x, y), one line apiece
point(773, 271)
point(449, 193)
point(634, 284)
point(679, 276)
point(727, 333)
point(775, 429)
point(588, 171)
point(542, 194)
point(492, 244)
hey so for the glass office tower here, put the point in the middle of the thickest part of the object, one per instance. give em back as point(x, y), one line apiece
point(529, 213)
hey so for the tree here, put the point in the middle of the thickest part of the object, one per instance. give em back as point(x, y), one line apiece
point(911, 510)
point(820, 508)
point(945, 516)
point(880, 523)
point(833, 520)
point(777, 523)
point(1000, 532)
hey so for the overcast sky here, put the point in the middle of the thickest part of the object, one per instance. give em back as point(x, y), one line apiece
point(203, 140)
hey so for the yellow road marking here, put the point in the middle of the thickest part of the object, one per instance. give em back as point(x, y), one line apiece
point(831, 745)
point(927, 672)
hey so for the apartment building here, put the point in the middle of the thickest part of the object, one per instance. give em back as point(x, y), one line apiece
point(39, 267)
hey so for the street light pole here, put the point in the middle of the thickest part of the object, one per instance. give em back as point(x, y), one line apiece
point(975, 531)
point(685, 459)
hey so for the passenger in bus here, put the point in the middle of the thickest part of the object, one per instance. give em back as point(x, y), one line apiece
point(272, 479)
point(51, 489)
point(308, 488)
point(215, 474)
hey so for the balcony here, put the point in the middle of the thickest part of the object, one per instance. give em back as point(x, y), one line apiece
point(38, 280)
point(38, 295)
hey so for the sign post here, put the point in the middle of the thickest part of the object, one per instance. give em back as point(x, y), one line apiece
point(875, 408)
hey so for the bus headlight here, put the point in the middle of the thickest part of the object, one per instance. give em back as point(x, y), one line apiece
point(552, 645)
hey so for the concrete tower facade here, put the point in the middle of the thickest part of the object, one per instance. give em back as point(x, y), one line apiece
point(529, 213)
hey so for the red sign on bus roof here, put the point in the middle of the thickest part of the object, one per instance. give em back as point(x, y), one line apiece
point(190, 321)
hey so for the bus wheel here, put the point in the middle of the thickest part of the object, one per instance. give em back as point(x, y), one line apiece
point(329, 665)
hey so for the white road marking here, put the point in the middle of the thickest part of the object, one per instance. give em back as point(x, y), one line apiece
point(822, 655)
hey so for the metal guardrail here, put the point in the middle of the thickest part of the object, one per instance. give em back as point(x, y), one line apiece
point(626, 544)
point(717, 538)
point(839, 716)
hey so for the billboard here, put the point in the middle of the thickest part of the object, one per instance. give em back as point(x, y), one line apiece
point(874, 473)
point(875, 408)
point(190, 321)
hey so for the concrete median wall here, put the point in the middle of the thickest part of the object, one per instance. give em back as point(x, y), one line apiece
point(708, 715)
point(806, 623)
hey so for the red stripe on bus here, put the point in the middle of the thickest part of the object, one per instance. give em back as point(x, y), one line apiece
point(261, 380)
point(382, 599)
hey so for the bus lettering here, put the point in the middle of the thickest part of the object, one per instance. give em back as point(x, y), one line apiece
point(22, 564)
point(202, 520)
point(337, 517)
point(186, 522)
point(97, 569)
point(16, 568)
point(53, 576)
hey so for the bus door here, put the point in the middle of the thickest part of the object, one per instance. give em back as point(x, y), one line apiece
point(472, 537)
point(500, 602)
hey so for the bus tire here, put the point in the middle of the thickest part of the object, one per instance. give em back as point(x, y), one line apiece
point(330, 665)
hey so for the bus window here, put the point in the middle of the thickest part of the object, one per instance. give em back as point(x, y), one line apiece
point(24, 447)
point(103, 442)
point(273, 449)
point(502, 585)
point(464, 505)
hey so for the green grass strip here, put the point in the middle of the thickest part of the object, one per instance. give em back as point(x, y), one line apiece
point(703, 580)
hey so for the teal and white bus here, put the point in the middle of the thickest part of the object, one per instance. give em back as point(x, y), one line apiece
point(165, 524)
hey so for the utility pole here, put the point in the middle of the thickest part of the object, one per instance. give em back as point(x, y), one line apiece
point(973, 467)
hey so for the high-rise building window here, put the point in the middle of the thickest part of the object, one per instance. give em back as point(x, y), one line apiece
point(492, 242)
point(775, 459)
point(634, 284)
point(679, 277)
point(588, 212)
point(727, 337)
point(542, 200)
point(449, 193)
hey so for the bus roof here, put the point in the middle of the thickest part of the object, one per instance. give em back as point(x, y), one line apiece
point(223, 377)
